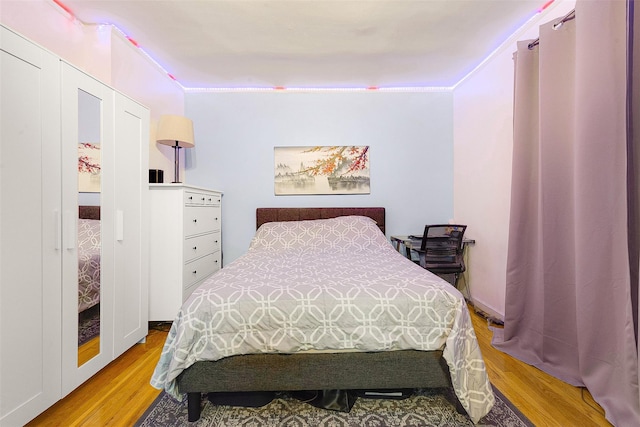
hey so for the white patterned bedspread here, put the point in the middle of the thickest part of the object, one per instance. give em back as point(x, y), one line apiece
point(326, 284)
point(88, 263)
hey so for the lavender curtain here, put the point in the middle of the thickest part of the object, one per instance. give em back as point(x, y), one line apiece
point(633, 140)
point(568, 299)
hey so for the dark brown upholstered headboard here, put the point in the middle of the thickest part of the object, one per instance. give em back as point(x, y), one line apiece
point(89, 212)
point(299, 214)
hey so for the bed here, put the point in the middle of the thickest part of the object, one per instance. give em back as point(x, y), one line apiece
point(88, 257)
point(323, 304)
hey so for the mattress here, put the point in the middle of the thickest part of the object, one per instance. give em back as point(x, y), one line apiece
point(332, 284)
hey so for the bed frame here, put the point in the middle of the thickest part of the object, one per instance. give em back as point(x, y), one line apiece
point(405, 369)
point(264, 215)
point(89, 212)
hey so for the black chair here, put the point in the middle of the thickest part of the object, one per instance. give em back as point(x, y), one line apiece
point(441, 249)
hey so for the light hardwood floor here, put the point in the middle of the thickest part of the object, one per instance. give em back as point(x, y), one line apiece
point(116, 396)
point(119, 394)
point(545, 400)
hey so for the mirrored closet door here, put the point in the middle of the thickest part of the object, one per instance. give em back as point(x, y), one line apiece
point(87, 226)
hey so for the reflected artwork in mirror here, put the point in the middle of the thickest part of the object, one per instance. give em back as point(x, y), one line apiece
point(89, 226)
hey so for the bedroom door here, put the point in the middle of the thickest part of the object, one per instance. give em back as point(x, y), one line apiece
point(30, 246)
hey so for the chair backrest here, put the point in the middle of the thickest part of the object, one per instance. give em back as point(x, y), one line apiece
point(441, 249)
point(444, 240)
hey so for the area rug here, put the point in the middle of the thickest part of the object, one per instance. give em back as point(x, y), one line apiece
point(88, 324)
point(424, 408)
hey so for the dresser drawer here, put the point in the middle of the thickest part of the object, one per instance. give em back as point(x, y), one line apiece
point(199, 269)
point(212, 200)
point(195, 247)
point(201, 219)
point(192, 198)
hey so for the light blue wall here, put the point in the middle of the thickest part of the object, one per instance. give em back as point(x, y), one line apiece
point(411, 152)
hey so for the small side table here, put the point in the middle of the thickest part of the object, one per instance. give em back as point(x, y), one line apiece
point(408, 243)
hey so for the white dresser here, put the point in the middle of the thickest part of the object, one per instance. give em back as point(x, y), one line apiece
point(185, 244)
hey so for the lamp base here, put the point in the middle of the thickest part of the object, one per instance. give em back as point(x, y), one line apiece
point(176, 162)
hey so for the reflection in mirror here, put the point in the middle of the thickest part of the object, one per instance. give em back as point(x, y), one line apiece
point(89, 245)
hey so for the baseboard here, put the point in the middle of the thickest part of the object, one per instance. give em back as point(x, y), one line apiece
point(487, 312)
point(160, 326)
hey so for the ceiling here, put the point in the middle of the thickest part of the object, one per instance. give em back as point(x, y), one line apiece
point(313, 43)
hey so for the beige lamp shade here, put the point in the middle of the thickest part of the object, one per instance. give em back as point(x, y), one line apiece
point(175, 131)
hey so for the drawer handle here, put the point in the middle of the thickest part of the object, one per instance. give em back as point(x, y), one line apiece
point(203, 198)
point(216, 218)
point(190, 197)
point(195, 220)
point(195, 248)
point(195, 272)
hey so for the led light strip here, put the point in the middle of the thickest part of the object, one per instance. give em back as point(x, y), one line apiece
point(497, 49)
point(322, 89)
point(144, 52)
point(66, 9)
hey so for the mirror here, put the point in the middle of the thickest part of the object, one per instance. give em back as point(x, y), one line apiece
point(89, 226)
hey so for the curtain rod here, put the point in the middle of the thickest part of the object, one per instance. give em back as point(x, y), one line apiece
point(568, 17)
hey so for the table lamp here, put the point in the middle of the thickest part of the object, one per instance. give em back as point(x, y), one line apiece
point(176, 131)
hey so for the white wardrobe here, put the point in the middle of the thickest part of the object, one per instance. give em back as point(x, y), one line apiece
point(51, 116)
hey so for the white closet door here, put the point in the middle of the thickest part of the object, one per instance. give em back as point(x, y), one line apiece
point(29, 229)
point(132, 223)
point(85, 99)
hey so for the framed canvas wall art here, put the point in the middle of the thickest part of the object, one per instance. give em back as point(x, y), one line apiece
point(321, 170)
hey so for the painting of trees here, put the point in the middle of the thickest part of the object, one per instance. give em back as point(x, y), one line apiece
point(322, 170)
point(338, 161)
point(89, 167)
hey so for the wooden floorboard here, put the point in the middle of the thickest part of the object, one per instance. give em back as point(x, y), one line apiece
point(116, 396)
point(545, 400)
point(120, 393)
